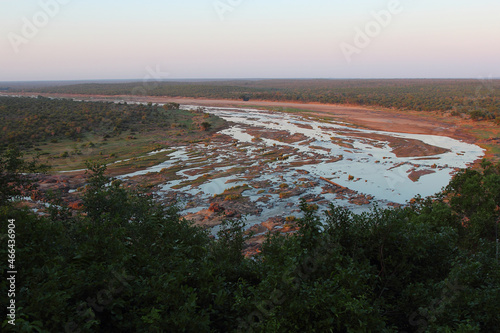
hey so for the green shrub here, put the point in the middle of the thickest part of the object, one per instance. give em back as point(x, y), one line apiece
point(127, 264)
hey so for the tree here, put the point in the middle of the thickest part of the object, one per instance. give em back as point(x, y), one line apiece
point(171, 106)
point(205, 126)
point(16, 175)
point(476, 114)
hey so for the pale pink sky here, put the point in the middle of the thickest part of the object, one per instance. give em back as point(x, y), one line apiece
point(295, 38)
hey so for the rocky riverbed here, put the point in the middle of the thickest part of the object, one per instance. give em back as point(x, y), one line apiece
point(259, 168)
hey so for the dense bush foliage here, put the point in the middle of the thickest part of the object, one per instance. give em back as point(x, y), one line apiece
point(28, 120)
point(127, 265)
point(478, 98)
point(16, 174)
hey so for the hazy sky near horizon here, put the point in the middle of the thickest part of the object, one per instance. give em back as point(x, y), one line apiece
point(167, 39)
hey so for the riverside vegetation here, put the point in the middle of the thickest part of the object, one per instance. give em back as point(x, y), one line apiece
point(66, 133)
point(477, 99)
point(124, 263)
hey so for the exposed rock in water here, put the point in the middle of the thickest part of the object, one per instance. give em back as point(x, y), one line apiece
point(415, 175)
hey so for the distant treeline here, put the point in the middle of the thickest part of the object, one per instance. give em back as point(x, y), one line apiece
point(478, 98)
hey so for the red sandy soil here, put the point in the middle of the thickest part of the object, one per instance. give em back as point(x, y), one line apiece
point(430, 123)
point(414, 122)
point(384, 120)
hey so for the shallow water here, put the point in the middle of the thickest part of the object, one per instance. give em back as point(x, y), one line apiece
point(333, 150)
point(372, 161)
point(346, 155)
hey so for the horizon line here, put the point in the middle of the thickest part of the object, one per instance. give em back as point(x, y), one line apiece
point(242, 79)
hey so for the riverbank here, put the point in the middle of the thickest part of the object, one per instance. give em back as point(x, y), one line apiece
point(266, 158)
point(484, 133)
